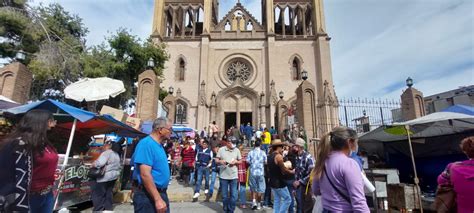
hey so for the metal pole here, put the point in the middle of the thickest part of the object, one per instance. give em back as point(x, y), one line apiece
point(345, 114)
point(381, 115)
point(418, 190)
point(65, 161)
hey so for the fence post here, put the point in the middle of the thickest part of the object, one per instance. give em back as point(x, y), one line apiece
point(345, 114)
point(381, 115)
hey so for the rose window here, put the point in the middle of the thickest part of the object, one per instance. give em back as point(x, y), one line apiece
point(238, 69)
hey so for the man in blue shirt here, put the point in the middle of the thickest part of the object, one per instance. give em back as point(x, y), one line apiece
point(152, 174)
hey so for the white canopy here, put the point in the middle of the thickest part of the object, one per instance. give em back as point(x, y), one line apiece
point(94, 89)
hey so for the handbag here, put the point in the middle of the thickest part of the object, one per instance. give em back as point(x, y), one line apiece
point(95, 172)
point(445, 200)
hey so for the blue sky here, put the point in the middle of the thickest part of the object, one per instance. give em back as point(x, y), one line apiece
point(375, 44)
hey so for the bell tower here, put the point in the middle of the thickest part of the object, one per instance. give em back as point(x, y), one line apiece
point(183, 19)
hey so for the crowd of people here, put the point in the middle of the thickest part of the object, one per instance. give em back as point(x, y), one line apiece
point(280, 174)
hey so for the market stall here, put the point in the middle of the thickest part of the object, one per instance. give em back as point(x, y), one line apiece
point(72, 184)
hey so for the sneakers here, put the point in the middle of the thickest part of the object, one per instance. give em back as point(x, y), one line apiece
point(206, 191)
point(196, 195)
point(254, 206)
point(259, 206)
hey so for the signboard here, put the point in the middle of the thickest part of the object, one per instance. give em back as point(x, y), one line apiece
point(76, 186)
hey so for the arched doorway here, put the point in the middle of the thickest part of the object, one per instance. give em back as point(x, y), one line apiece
point(235, 106)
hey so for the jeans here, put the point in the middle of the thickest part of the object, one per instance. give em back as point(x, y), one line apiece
point(213, 182)
point(191, 177)
point(143, 203)
point(242, 194)
point(102, 196)
point(289, 185)
point(265, 148)
point(305, 201)
point(281, 200)
point(229, 201)
point(267, 197)
point(202, 170)
point(42, 203)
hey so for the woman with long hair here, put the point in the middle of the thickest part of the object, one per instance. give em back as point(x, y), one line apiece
point(337, 177)
point(28, 162)
point(102, 191)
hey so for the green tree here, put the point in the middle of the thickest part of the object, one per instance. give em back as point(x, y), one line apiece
point(124, 57)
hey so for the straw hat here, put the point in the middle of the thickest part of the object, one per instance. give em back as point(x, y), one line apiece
point(278, 142)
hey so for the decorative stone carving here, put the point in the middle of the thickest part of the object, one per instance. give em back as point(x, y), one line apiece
point(239, 68)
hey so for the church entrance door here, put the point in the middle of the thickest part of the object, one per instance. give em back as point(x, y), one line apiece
point(230, 120)
point(245, 118)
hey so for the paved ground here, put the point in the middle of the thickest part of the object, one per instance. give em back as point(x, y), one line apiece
point(186, 207)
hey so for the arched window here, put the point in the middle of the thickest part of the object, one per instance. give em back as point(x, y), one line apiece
point(181, 111)
point(296, 68)
point(181, 70)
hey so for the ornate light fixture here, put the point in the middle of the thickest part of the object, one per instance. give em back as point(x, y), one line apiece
point(20, 55)
point(171, 90)
point(150, 63)
point(409, 82)
point(281, 94)
point(304, 75)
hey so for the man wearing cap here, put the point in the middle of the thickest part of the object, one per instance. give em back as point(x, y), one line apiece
point(304, 166)
point(257, 159)
point(277, 168)
point(203, 163)
point(152, 174)
point(228, 157)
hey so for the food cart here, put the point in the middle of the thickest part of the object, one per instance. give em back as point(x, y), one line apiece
point(72, 184)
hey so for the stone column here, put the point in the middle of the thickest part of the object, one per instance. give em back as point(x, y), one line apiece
point(306, 108)
point(413, 105)
point(15, 82)
point(170, 104)
point(147, 97)
point(158, 18)
point(281, 112)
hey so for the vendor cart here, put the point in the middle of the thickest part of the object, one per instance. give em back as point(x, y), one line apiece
point(72, 184)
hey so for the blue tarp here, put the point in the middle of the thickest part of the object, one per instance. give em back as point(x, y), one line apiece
point(464, 109)
point(54, 107)
point(89, 123)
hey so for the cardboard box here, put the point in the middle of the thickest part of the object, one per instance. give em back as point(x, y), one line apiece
point(134, 122)
point(116, 113)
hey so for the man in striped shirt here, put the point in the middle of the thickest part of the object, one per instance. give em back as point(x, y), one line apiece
point(257, 159)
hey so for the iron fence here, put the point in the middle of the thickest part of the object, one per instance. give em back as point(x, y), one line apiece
point(367, 114)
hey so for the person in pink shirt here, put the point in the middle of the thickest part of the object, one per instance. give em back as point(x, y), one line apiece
point(336, 176)
point(460, 176)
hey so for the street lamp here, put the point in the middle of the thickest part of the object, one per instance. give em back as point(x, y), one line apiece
point(150, 63)
point(20, 55)
point(409, 82)
point(281, 94)
point(304, 75)
point(170, 90)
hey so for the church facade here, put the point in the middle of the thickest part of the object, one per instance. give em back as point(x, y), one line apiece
point(235, 69)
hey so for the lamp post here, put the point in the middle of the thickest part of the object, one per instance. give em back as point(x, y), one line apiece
point(281, 94)
point(150, 63)
point(171, 90)
point(20, 55)
point(304, 75)
point(409, 82)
